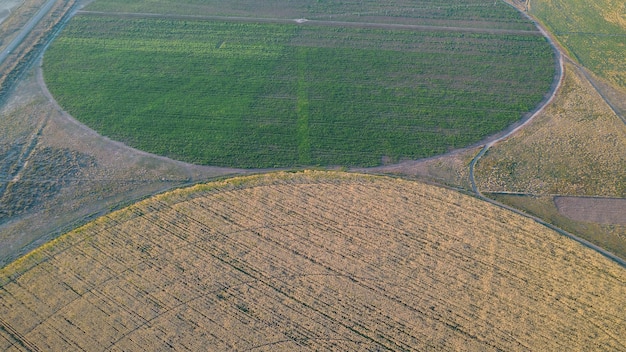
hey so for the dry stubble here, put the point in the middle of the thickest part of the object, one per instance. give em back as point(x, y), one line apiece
point(313, 261)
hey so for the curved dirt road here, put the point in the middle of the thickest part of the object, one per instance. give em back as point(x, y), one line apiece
point(558, 81)
point(486, 146)
point(560, 72)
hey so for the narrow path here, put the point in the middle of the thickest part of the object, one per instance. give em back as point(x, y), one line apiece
point(410, 27)
point(21, 163)
point(584, 242)
point(304, 21)
point(19, 339)
point(558, 81)
point(186, 167)
point(592, 81)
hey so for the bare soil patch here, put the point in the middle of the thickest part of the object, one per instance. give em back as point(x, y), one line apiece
point(598, 210)
point(450, 169)
point(611, 237)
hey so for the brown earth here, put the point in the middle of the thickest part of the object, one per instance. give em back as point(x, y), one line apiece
point(313, 261)
point(450, 169)
point(610, 237)
point(598, 210)
point(111, 174)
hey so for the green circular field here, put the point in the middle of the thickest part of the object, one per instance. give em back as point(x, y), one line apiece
point(256, 94)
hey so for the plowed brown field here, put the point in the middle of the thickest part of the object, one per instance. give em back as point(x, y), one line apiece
point(597, 210)
point(313, 261)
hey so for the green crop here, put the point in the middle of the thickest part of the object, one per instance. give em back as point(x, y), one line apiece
point(254, 95)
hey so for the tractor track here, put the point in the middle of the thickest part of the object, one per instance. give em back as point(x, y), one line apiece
point(304, 21)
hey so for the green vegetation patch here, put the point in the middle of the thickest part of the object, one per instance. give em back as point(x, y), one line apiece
point(472, 13)
point(594, 32)
point(254, 95)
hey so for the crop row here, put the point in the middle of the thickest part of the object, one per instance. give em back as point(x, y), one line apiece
point(313, 262)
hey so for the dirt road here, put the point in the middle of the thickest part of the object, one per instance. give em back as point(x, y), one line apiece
point(307, 22)
point(561, 58)
point(26, 30)
point(558, 81)
point(6, 7)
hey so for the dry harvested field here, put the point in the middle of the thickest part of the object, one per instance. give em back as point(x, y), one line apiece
point(574, 148)
point(313, 261)
point(610, 236)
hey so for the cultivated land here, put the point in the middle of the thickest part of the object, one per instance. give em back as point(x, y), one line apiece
point(602, 229)
point(249, 92)
point(593, 209)
point(296, 261)
point(55, 173)
point(60, 192)
point(313, 261)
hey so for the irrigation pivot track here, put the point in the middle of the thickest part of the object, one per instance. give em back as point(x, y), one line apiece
point(303, 21)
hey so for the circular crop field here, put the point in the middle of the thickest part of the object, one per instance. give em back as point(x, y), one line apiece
point(404, 82)
point(313, 261)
